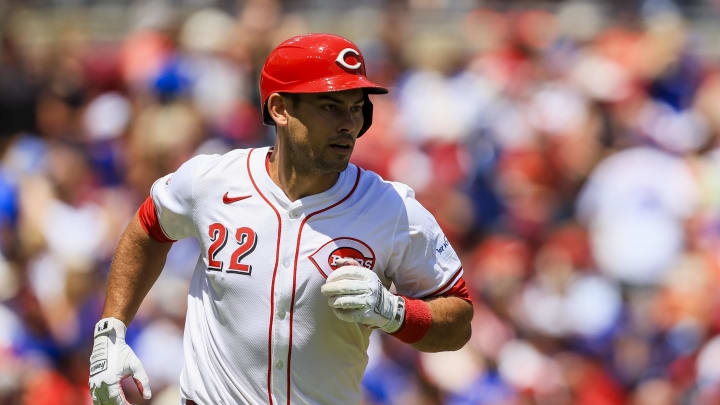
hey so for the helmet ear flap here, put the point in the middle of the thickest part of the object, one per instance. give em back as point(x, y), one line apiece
point(367, 115)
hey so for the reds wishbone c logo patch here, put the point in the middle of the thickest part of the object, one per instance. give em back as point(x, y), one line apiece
point(341, 59)
point(326, 257)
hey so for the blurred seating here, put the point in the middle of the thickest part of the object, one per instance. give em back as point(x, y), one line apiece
point(568, 149)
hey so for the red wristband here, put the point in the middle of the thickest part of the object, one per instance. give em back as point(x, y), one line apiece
point(418, 319)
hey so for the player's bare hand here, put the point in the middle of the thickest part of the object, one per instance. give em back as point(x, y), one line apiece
point(111, 361)
point(356, 294)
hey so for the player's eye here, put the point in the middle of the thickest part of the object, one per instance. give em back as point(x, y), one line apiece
point(356, 109)
point(330, 107)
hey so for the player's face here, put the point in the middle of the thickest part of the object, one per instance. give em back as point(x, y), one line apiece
point(324, 127)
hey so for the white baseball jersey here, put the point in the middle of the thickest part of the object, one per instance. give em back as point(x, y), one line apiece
point(258, 330)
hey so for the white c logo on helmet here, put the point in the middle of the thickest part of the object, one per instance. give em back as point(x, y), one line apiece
point(341, 58)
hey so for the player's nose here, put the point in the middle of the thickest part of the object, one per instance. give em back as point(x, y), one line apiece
point(348, 121)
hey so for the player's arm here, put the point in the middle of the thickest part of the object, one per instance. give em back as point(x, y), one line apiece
point(425, 264)
point(164, 217)
point(449, 325)
point(140, 256)
point(138, 261)
point(356, 294)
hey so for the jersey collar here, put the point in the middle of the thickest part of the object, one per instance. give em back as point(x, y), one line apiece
point(305, 205)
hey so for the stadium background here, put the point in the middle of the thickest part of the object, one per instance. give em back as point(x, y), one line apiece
point(569, 150)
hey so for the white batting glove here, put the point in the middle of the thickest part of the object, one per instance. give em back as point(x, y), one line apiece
point(356, 294)
point(111, 361)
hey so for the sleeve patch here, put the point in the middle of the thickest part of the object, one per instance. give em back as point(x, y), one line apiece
point(445, 246)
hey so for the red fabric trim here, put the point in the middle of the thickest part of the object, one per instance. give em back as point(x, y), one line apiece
point(297, 251)
point(149, 221)
point(418, 320)
point(446, 285)
point(459, 290)
point(272, 288)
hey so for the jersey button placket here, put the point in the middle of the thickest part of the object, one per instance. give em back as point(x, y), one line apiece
point(283, 296)
point(280, 340)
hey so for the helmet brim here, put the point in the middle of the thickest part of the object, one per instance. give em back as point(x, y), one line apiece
point(327, 85)
point(336, 83)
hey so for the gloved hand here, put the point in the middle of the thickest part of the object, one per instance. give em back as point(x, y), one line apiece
point(356, 294)
point(111, 361)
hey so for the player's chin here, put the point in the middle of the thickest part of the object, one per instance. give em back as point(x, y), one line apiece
point(336, 162)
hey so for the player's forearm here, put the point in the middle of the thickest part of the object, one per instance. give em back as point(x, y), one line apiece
point(450, 328)
point(138, 261)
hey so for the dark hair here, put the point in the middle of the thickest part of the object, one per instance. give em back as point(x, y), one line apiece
point(294, 97)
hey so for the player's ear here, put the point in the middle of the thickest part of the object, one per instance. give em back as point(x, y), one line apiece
point(277, 108)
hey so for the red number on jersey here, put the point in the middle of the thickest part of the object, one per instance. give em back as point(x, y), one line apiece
point(247, 240)
point(218, 235)
point(245, 237)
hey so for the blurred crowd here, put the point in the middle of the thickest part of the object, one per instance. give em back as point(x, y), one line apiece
point(570, 154)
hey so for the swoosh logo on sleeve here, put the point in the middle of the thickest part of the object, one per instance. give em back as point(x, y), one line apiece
point(229, 200)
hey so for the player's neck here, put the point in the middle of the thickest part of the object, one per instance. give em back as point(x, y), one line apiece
point(293, 180)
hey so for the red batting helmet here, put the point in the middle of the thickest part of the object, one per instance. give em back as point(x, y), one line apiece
point(316, 63)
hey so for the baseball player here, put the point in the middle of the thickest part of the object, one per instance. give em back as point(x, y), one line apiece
point(303, 253)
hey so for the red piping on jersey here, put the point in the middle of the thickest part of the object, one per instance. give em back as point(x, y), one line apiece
point(446, 285)
point(459, 290)
point(297, 252)
point(272, 288)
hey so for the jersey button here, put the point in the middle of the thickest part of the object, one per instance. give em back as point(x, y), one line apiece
point(279, 364)
point(293, 214)
point(281, 315)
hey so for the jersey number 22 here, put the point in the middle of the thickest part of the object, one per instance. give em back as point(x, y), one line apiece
point(245, 237)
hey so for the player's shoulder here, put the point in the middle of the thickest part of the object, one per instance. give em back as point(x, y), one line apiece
point(372, 184)
point(207, 166)
point(390, 194)
point(395, 199)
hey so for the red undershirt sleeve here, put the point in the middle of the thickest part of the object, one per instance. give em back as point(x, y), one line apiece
point(459, 290)
point(150, 223)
